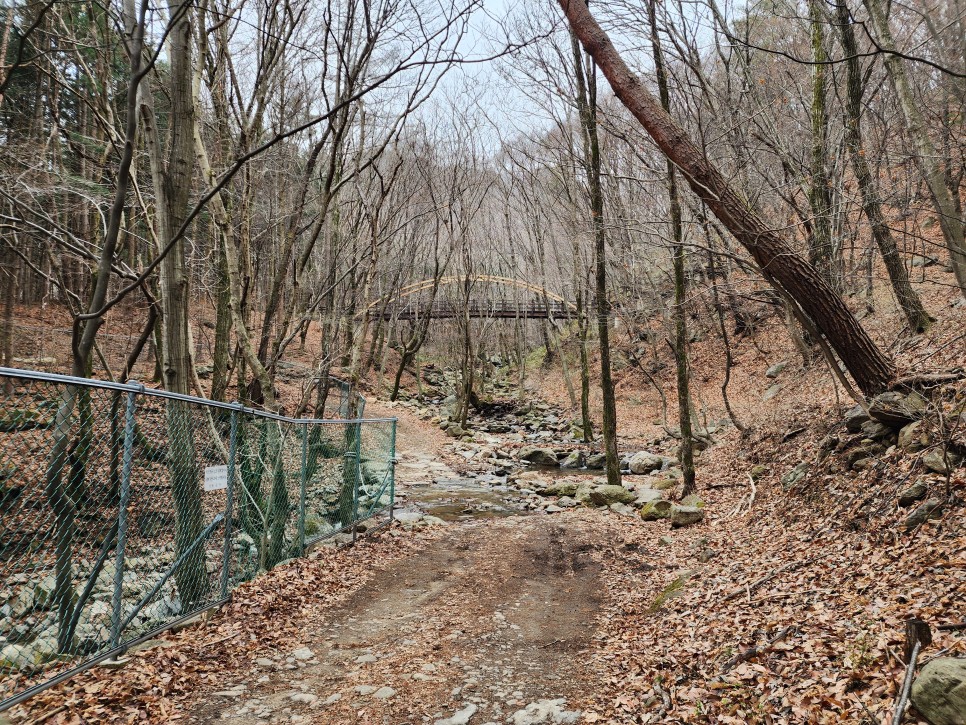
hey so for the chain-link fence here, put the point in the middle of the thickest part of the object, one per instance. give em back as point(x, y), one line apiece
point(124, 509)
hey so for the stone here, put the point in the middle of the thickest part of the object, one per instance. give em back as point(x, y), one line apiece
point(596, 461)
point(775, 370)
point(545, 711)
point(795, 475)
point(939, 692)
point(875, 430)
point(646, 495)
point(693, 500)
point(575, 459)
point(623, 509)
point(664, 484)
point(656, 510)
point(365, 689)
point(854, 419)
point(384, 693)
point(644, 462)
point(561, 488)
point(937, 462)
point(304, 698)
point(461, 717)
point(757, 471)
point(538, 456)
point(686, 516)
point(913, 437)
point(915, 492)
point(582, 494)
point(607, 494)
point(897, 409)
point(665, 541)
point(303, 654)
point(931, 509)
point(773, 390)
point(365, 659)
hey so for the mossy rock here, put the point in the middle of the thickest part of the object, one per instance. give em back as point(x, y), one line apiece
point(693, 500)
point(663, 484)
point(19, 419)
point(561, 488)
point(656, 510)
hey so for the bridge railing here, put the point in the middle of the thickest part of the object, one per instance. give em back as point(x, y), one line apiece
point(124, 509)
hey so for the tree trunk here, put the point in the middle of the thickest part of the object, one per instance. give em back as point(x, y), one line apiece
point(909, 301)
point(947, 208)
point(686, 451)
point(587, 104)
point(870, 368)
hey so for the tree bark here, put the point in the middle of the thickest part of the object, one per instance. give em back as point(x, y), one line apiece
point(912, 307)
point(872, 370)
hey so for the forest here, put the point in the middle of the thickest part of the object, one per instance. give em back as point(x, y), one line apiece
point(643, 322)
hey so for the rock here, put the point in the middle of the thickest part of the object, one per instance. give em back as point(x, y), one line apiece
point(665, 541)
point(384, 693)
point(303, 654)
point(582, 494)
point(854, 419)
point(304, 698)
point(939, 692)
point(936, 462)
point(575, 459)
point(664, 484)
point(875, 430)
point(775, 370)
point(623, 509)
point(538, 456)
point(607, 494)
point(757, 471)
point(706, 555)
point(365, 689)
point(561, 488)
point(686, 516)
point(644, 462)
point(656, 510)
point(545, 711)
point(896, 409)
point(915, 492)
point(693, 500)
point(772, 391)
point(596, 461)
point(461, 717)
point(913, 437)
point(454, 430)
point(646, 495)
point(795, 475)
point(931, 509)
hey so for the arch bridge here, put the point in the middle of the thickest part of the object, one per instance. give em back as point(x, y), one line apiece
point(406, 304)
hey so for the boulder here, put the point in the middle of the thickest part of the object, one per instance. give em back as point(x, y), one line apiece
point(772, 391)
point(939, 692)
point(655, 510)
point(937, 462)
point(644, 462)
point(795, 475)
point(607, 494)
point(596, 461)
point(775, 370)
point(582, 494)
point(575, 459)
point(915, 492)
point(854, 419)
point(914, 437)
point(646, 495)
point(693, 500)
point(560, 488)
point(931, 509)
point(897, 409)
point(686, 516)
point(538, 456)
point(663, 484)
point(875, 430)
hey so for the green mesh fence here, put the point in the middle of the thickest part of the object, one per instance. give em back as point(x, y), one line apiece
point(125, 509)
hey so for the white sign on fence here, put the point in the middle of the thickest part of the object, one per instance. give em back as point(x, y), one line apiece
point(216, 478)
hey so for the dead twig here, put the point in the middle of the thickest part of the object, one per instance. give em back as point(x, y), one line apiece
point(753, 652)
point(791, 566)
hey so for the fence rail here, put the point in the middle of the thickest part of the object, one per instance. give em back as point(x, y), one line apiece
point(124, 509)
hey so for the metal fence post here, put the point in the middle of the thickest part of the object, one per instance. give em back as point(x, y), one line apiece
point(358, 479)
point(302, 485)
point(126, 465)
point(392, 474)
point(229, 500)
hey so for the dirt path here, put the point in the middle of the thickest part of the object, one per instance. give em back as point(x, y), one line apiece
point(486, 626)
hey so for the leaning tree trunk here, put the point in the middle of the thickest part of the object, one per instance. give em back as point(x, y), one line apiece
point(872, 370)
point(909, 301)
